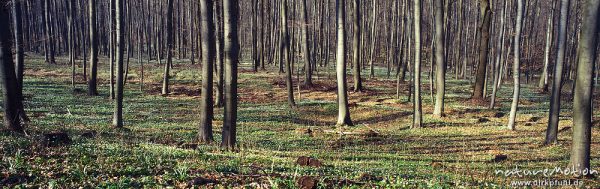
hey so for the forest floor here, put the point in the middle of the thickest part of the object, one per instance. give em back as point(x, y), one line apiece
point(466, 148)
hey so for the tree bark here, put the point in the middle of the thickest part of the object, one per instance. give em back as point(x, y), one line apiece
point(305, 49)
point(484, 31)
point(118, 116)
point(166, 76)
point(440, 59)
point(230, 17)
point(10, 85)
point(92, 83)
point(356, 46)
point(343, 110)
point(417, 111)
point(516, 67)
point(582, 102)
point(284, 53)
point(205, 133)
point(552, 130)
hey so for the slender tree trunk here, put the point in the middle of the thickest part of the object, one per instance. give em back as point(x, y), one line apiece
point(516, 67)
point(284, 53)
point(205, 133)
point(92, 83)
point(373, 40)
point(306, 51)
point(499, 58)
point(343, 110)
point(582, 102)
point(118, 116)
point(165, 84)
point(230, 17)
point(543, 83)
point(49, 33)
point(552, 130)
point(417, 112)
point(112, 48)
point(219, 53)
point(356, 45)
point(253, 25)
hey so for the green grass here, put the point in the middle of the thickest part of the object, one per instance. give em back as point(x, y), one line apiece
point(454, 151)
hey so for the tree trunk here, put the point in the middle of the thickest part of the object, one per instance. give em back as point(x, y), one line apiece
point(484, 31)
point(165, 84)
point(516, 67)
point(205, 133)
point(305, 49)
point(543, 83)
point(552, 130)
point(10, 85)
point(92, 83)
point(219, 97)
point(440, 47)
point(582, 102)
point(19, 59)
point(49, 33)
point(230, 17)
point(343, 110)
point(284, 53)
point(118, 116)
point(356, 45)
point(417, 115)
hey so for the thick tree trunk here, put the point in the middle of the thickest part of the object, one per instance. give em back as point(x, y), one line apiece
point(205, 133)
point(343, 110)
point(440, 59)
point(484, 34)
point(230, 17)
point(582, 102)
point(9, 82)
point(19, 59)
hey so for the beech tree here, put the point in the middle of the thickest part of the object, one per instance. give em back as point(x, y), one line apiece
point(553, 119)
point(118, 113)
point(166, 76)
point(484, 40)
point(93, 79)
point(356, 46)
point(417, 109)
point(582, 101)
point(10, 86)
point(440, 59)
point(205, 133)
point(343, 110)
point(284, 53)
point(232, 47)
point(516, 67)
